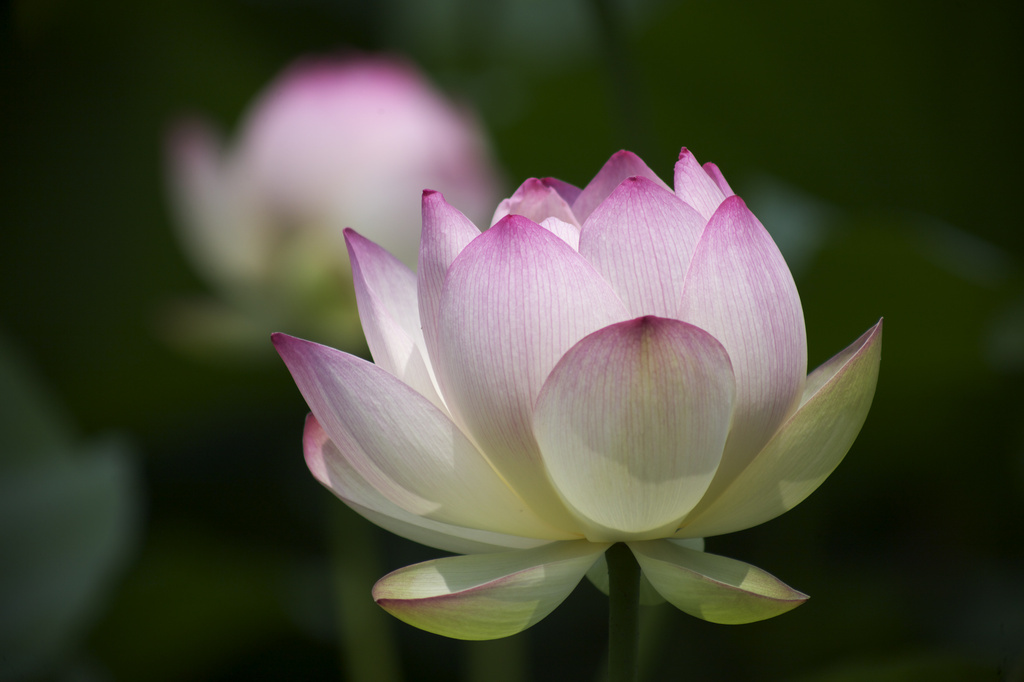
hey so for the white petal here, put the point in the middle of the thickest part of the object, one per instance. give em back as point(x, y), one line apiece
point(739, 289)
point(389, 313)
point(446, 232)
point(486, 596)
point(537, 200)
point(712, 587)
point(514, 301)
point(404, 446)
point(805, 450)
point(641, 239)
point(620, 166)
point(696, 187)
point(631, 424)
point(568, 233)
point(337, 474)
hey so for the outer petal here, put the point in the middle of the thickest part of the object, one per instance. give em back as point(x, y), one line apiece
point(402, 445)
point(515, 300)
point(805, 450)
point(622, 165)
point(712, 587)
point(389, 312)
point(641, 239)
point(739, 289)
point(486, 596)
point(537, 200)
point(446, 232)
point(337, 474)
point(631, 424)
point(696, 187)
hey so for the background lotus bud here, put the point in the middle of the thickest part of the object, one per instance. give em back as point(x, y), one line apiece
point(332, 143)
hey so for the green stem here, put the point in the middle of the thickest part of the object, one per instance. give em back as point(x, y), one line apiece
point(623, 613)
point(368, 648)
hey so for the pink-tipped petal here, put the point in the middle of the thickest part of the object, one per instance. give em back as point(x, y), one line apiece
point(514, 301)
point(711, 587)
point(806, 448)
point(715, 174)
point(622, 165)
point(403, 446)
point(536, 200)
point(641, 239)
point(486, 596)
point(566, 190)
point(694, 186)
point(389, 312)
point(739, 289)
point(336, 473)
point(631, 424)
point(446, 232)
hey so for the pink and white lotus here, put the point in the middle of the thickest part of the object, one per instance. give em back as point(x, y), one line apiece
point(622, 363)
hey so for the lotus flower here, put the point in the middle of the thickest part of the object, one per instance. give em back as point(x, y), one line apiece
point(331, 143)
point(623, 363)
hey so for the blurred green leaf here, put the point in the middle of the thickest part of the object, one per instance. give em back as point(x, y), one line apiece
point(67, 522)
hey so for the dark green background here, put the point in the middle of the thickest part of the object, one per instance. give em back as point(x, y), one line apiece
point(879, 141)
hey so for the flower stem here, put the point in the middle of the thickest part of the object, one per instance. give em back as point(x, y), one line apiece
point(623, 613)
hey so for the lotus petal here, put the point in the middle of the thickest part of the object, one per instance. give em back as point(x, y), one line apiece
point(712, 587)
point(696, 187)
point(514, 301)
point(566, 190)
point(446, 232)
point(568, 233)
point(336, 473)
point(631, 424)
point(739, 289)
point(402, 445)
point(486, 596)
point(641, 239)
point(536, 199)
point(622, 165)
point(806, 448)
point(598, 574)
point(715, 174)
point(389, 312)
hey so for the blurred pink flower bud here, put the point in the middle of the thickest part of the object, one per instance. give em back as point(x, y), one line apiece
point(332, 143)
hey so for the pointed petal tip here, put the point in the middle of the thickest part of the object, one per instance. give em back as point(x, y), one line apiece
point(282, 341)
point(351, 238)
point(733, 202)
point(712, 587)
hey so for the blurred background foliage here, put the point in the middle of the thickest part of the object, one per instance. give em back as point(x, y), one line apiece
point(157, 519)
